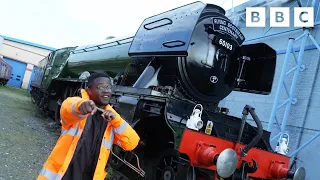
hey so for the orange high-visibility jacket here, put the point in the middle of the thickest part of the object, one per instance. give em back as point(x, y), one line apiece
point(118, 131)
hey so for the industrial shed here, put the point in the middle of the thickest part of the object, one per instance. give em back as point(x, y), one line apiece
point(23, 56)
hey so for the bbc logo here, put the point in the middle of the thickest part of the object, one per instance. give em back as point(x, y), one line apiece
point(279, 17)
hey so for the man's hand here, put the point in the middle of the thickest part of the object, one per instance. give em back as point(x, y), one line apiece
point(108, 115)
point(88, 107)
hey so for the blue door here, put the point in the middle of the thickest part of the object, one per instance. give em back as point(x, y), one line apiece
point(17, 74)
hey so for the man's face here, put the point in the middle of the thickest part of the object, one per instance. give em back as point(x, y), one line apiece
point(100, 91)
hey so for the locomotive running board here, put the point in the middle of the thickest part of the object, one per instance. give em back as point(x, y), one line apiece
point(143, 93)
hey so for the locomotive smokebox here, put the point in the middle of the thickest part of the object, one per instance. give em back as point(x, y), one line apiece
point(205, 50)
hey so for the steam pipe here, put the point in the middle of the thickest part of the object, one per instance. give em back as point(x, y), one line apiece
point(243, 122)
point(257, 138)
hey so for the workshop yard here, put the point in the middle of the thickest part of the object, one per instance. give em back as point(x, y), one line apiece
point(26, 137)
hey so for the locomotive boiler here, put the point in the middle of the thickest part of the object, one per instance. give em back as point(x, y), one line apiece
point(169, 78)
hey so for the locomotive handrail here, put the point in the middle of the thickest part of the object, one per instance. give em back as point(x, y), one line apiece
point(257, 138)
point(118, 42)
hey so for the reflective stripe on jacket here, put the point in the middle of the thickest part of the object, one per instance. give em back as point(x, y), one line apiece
point(118, 132)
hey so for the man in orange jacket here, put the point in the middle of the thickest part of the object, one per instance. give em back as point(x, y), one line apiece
point(87, 135)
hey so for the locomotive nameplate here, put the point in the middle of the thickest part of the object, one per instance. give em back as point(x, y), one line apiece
point(223, 26)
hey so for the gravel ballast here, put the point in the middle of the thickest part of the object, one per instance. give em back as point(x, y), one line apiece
point(26, 135)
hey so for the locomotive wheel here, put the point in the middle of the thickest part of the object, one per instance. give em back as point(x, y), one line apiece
point(33, 100)
point(168, 167)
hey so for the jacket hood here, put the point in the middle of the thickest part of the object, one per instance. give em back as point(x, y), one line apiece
point(84, 94)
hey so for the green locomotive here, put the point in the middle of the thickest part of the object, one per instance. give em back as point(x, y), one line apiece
point(188, 57)
point(58, 74)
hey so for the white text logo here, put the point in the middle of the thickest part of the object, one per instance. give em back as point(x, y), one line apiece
point(280, 17)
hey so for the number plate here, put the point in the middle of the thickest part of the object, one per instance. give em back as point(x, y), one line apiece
point(225, 43)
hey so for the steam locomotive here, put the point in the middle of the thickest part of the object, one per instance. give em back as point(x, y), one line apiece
point(5, 72)
point(168, 81)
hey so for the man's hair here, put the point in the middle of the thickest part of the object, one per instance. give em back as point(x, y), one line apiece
point(96, 75)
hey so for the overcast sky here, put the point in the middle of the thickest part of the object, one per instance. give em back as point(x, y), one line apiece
point(61, 23)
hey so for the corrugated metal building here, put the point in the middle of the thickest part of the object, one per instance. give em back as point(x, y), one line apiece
point(23, 56)
point(297, 111)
